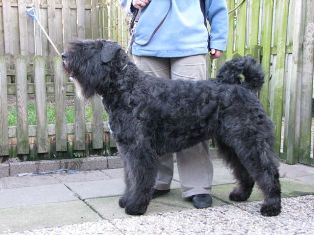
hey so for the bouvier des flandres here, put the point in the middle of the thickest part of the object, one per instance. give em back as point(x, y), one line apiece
point(150, 116)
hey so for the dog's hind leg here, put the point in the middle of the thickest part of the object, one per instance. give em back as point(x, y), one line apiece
point(245, 182)
point(260, 164)
point(267, 178)
point(141, 170)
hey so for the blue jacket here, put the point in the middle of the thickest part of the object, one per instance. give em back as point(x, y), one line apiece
point(183, 32)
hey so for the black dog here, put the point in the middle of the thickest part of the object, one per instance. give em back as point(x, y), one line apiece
point(150, 116)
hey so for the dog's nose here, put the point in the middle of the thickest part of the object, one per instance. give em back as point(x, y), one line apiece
point(63, 55)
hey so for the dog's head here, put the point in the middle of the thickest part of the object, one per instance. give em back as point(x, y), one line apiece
point(88, 63)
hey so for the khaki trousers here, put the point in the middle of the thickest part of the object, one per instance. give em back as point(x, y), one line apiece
point(194, 164)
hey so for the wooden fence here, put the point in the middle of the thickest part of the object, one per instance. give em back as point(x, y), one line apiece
point(279, 33)
point(31, 72)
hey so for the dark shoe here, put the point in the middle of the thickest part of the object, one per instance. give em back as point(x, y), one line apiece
point(158, 193)
point(202, 201)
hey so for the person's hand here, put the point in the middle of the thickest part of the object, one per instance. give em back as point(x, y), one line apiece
point(139, 4)
point(215, 54)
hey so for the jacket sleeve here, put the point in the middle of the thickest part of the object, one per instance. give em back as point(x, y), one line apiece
point(217, 16)
point(127, 5)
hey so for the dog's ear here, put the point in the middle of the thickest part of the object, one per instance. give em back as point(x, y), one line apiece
point(109, 50)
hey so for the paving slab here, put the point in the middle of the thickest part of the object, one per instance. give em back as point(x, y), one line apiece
point(297, 170)
point(98, 188)
point(26, 181)
point(102, 188)
point(81, 176)
point(309, 179)
point(28, 196)
point(291, 188)
point(47, 215)
point(108, 207)
point(222, 192)
point(114, 173)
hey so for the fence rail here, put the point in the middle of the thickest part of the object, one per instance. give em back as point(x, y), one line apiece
point(279, 33)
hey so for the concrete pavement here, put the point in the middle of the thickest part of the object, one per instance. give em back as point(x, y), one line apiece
point(87, 203)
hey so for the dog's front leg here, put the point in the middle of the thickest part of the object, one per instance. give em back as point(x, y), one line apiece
point(123, 199)
point(140, 171)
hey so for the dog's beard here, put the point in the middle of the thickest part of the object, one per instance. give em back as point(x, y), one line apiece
point(78, 89)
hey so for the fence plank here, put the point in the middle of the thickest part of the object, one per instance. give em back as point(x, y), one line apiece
point(1, 32)
point(105, 20)
point(80, 125)
point(97, 123)
point(23, 27)
point(241, 29)
point(37, 33)
point(95, 20)
point(253, 22)
point(266, 50)
point(21, 100)
point(66, 22)
point(97, 106)
point(277, 84)
point(41, 107)
point(43, 16)
point(80, 6)
point(14, 29)
point(307, 86)
point(60, 98)
point(6, 7)
point(4, 149)
point(291, 118)
point(230, 45)
point(51, 25)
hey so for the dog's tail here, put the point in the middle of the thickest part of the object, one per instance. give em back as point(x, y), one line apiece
point(242, 70)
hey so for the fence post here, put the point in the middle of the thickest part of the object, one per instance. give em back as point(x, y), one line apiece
point(4, 141)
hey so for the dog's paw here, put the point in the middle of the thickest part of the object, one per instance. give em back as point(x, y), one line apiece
point(135, 209)
point(238, 195)
point(271, 208)
point(122, 201)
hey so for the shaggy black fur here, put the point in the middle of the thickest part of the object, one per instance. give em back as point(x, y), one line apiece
point(150, 116)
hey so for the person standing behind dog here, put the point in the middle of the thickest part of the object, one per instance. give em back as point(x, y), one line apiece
point(171, 41)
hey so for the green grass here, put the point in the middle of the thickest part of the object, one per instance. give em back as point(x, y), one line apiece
point(51, 114)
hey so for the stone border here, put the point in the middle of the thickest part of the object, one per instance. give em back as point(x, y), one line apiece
point(11, 168)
